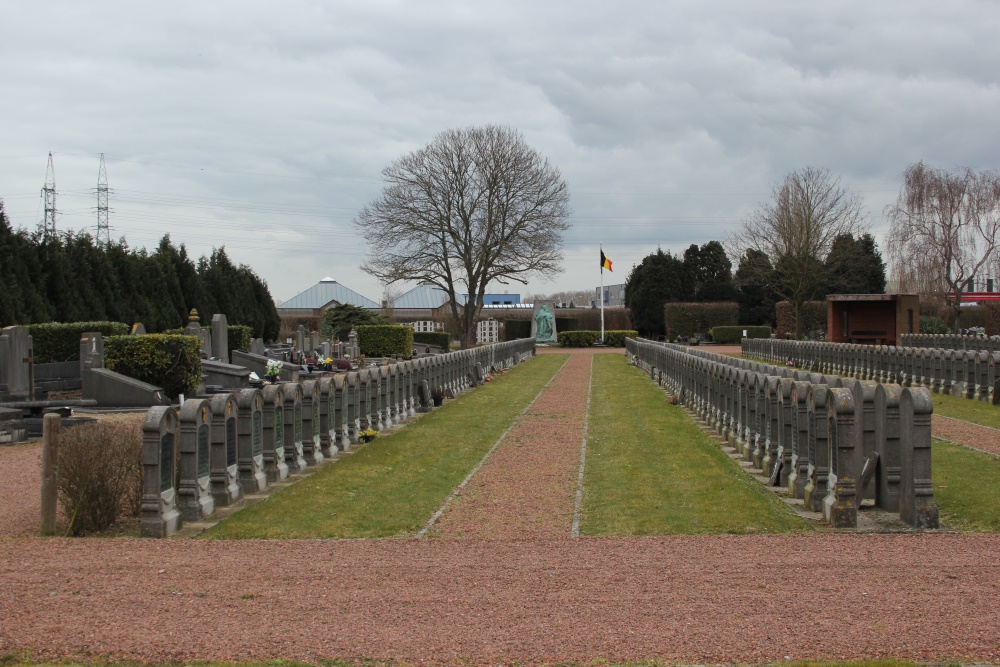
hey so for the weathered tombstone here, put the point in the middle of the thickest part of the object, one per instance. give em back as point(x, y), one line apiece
point(294, 457)
point(274, 433)
point(193, 328)
point(194, 499)
point(969, 374)
point(313, 342)
point(250, 440)
point(220, 338)
point(819, 448)
point(138, 329)
point(916, 492)
point(257, 347)
point(863, 395)
point(160, 517)
point(983, 376)
point(300, 339)
point(786, 410)
point(327, 424)
point(769, 451)
point(15, 364)
point(352, 403)
point(338, 413)
point(311, 432)
point(840, 507)
point(224, 472)
point(887, 445)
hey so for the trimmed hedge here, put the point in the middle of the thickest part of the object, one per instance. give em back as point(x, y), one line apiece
point(813, 318)
point(385, 340)
point(566, 324)
point(688, 319)
point(438, 338)
point(616, 338)
point(240, 337)
point(578, 338)
point(735, 334)
point(60, 341)
point(168, 361)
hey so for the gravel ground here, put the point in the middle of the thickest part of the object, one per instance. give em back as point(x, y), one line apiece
point(703, 599)
point(527, 486)
point(710, 599)
point(965, 433)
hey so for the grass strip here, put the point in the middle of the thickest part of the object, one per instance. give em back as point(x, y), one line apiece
point(651, 470)
point(966, 409)
point(389, 487)
point(966, 487)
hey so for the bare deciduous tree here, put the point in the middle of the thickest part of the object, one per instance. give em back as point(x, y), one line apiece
point(475, 206)
point(796, 230)
point(944, 229)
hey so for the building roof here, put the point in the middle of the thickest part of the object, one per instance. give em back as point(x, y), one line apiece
point(326, 292)
point(424, 295)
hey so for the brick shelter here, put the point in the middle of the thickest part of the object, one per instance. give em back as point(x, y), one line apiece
point(871, 319)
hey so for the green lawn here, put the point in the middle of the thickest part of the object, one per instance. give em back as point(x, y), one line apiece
point(651, 470)
point(968, 410)
point(966, 487)
point(390, 487)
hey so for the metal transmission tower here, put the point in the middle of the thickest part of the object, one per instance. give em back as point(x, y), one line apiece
point(49, 195)
point(103, 233)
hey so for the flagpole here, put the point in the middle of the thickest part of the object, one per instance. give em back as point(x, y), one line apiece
point(602, 295)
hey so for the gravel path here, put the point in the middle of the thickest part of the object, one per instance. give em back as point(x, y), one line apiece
point(710, 599)
point(527, 487)
point(983, 438)
point(698, 599)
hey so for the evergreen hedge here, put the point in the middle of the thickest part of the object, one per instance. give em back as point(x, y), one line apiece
point(616, 338)
point(728, 335)
point(516, 329)
point(688, 319)
point(60, 341)
point(578, 338)
point(168, 361)
point(385, 340)
point(440, 339)
point(240, 337)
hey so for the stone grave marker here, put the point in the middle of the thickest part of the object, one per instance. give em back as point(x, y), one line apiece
point(194, 497)
point(160, 517)
point(15, 364)
point(294, 457)
point(916, 491)
point(250, 440)
point(840, 507)
point(312, 448)
point(273, 414)
point(224, 457)
point(220, 338)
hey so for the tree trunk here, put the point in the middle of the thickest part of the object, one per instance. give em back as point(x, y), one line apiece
point(797, 309)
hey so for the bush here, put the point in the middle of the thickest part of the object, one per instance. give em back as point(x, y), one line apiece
point(688, 319)
point(578, 338)
point(728, 335)
point(60, 341)
point(813, 318)
point(616, 338)
point(240, 337)
point(165, 360)
point(438, 338)
point(100, 474)
point(385, 340)
point(931, 324)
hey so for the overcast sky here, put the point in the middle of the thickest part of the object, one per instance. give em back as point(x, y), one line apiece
point(264, 126)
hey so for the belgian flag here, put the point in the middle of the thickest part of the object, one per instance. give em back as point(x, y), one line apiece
point(605, 262)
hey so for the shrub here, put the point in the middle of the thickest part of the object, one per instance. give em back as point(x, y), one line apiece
point(727, 335)
point(165, 360)
point(438, 338)
point(578, 338)
point(60, 341)
point(616, 338)
point(385, 340)
point(931, 324)
point(688, 319)
point(240, 337)
point(813, 318)
point(100, 474)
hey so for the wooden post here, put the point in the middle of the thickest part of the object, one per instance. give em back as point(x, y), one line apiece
point(50, 472)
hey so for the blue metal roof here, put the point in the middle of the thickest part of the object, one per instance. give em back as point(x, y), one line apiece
point(325, 292)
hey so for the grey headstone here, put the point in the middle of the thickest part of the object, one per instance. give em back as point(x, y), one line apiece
point(220, 338)
point(160, 517)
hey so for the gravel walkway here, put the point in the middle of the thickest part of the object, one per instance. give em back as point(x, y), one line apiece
point(527, 487)
point(702, 599)
point(983, 438)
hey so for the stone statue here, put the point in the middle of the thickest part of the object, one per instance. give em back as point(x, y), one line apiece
point(544, 321)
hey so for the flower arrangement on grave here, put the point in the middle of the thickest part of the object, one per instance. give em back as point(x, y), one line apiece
point(328, 364)
point(272, 370)
point(368, 435)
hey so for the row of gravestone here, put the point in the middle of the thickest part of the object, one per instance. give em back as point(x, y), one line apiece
point(830, 441)
point(968, 373)
point(232, 444)
point(951, 342)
